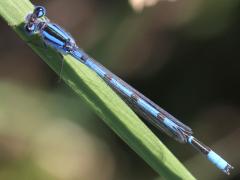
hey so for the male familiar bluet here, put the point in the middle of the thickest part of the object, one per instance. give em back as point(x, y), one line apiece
point(57, 38)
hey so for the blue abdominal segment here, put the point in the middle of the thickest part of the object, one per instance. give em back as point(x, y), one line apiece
point(95, 68)
point(217, 160)
point(148, 107)
point(122, 88)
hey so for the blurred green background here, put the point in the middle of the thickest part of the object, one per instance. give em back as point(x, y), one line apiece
point(184, 55)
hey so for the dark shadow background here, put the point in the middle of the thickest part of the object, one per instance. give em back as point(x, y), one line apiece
point(183, 55)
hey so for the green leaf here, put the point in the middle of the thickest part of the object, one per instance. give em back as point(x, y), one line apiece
point(100, 97)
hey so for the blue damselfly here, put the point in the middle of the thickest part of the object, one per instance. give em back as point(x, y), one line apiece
point(57, 38)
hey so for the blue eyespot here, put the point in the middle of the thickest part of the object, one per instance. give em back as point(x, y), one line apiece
point(39, 11)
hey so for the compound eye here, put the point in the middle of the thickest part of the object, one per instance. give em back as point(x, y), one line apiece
point(30, 28)
point(39, 11)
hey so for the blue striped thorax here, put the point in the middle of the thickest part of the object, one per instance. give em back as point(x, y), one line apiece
point(52, 34)
point(57, 38)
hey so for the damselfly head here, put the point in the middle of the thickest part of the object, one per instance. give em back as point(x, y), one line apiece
point(33, 24)
point(39, 11)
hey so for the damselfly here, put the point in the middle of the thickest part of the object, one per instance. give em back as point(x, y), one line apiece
point(57, 38)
